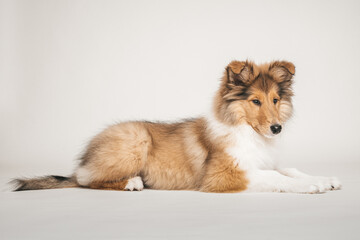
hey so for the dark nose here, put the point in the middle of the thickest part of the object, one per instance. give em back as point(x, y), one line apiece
point(276, 128)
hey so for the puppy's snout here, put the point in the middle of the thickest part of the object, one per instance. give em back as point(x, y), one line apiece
point(276, 128)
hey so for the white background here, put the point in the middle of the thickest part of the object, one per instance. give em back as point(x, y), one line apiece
point(70, 68)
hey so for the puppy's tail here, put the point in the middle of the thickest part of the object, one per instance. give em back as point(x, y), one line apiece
point(47, 182)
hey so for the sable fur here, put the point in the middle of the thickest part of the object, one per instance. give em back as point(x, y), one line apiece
point(186, 155)
point(45, 182)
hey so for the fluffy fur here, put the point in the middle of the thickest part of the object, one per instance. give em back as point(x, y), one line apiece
point(227, 151)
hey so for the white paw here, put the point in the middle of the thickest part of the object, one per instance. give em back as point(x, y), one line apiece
point(328, 183)
point(335, 183)
point(308, 187)
point(315, 188)
point(134, 183)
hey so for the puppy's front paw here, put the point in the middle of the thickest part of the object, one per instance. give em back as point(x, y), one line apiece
point(308, 187)
point(335, 183)
point(316, 188)
point(326, 183)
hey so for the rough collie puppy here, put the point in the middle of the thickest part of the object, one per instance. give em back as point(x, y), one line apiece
point(227, 151)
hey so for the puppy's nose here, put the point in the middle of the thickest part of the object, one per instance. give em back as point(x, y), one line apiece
point(275, 129)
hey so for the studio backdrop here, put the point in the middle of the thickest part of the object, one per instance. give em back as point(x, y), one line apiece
point(68, 69)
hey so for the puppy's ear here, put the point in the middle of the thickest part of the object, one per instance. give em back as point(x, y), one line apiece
point(282, 71)
point(241, 73)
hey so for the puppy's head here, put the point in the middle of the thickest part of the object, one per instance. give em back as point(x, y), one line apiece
point(259, 95)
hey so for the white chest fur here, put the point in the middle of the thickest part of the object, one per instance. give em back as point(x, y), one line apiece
point(249, 149)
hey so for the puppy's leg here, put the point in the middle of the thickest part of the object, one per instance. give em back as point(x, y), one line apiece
point(96, 180)
point(273, 181)
point(329, 183)
point(223, 176)
point(131, 184)
point(115, 158)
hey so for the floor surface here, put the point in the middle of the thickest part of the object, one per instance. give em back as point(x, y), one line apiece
point(150, 214)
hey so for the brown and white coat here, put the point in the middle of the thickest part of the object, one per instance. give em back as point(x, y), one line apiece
point(227, 151)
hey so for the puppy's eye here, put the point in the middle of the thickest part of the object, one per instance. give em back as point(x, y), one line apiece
point(256, 102)
point(275, 100)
